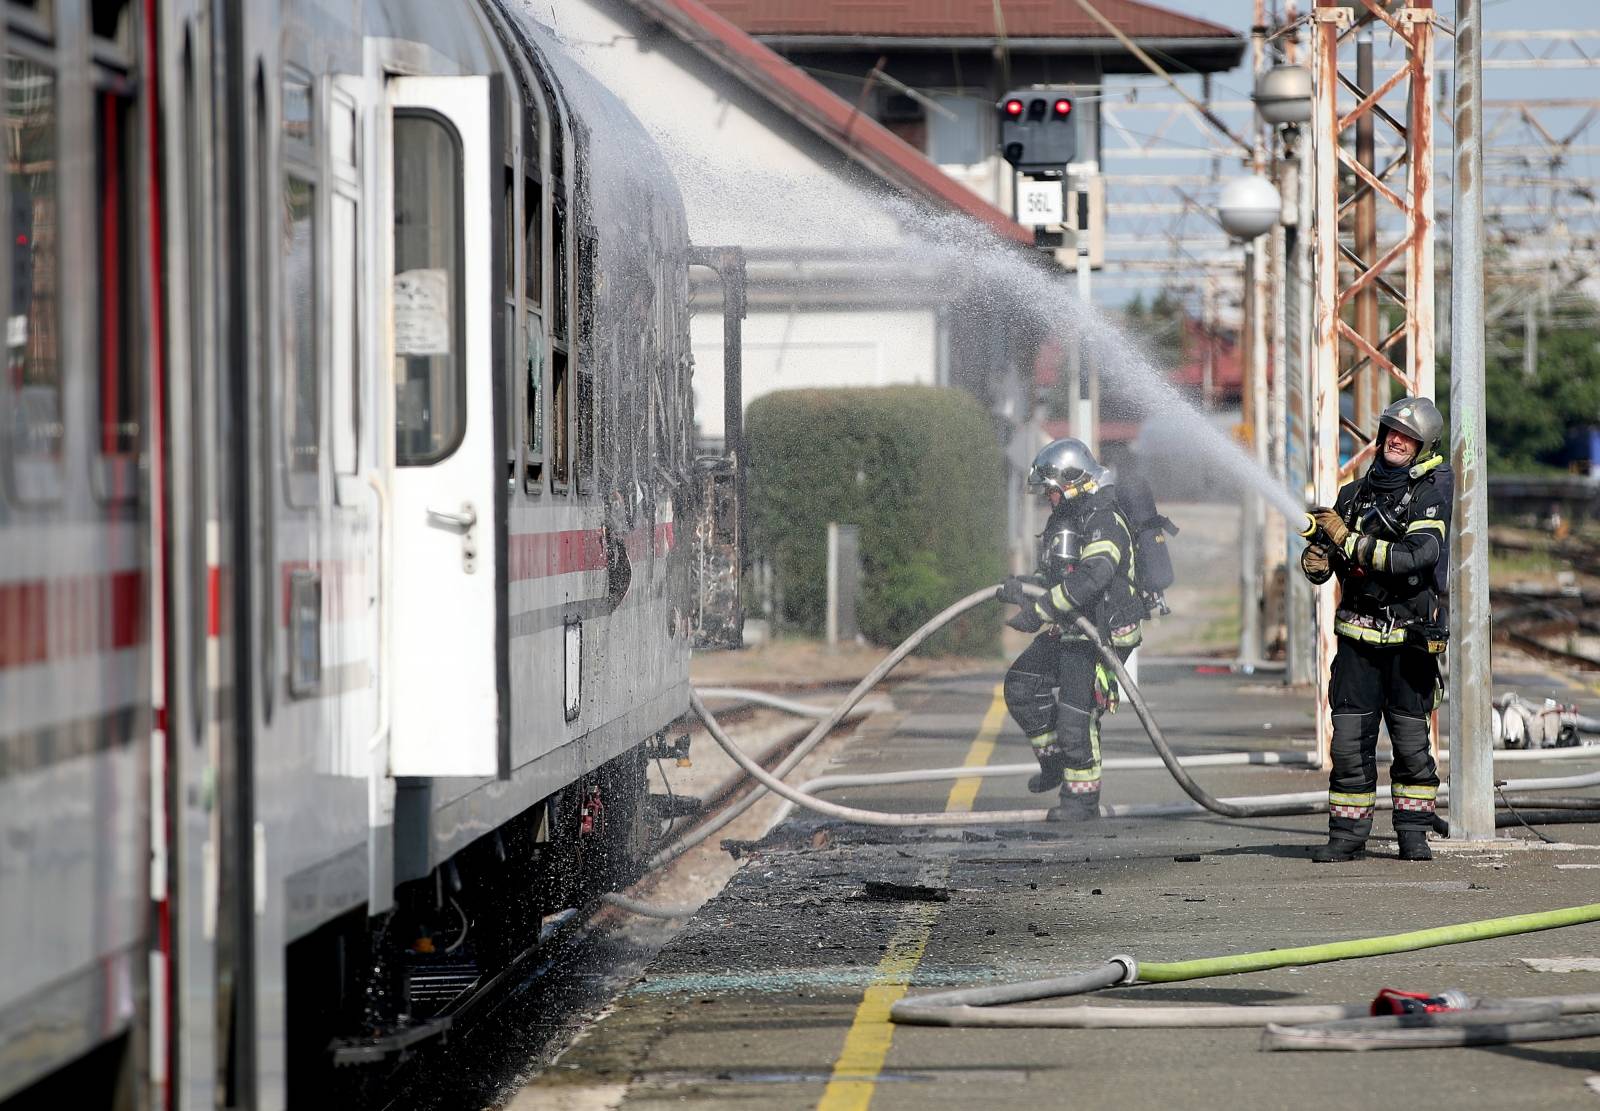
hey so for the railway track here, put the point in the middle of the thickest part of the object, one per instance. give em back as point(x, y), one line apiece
point(1551, 623)
point(505, 1026)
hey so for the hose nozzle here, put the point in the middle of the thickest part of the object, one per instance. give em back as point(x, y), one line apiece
point(1308, 526)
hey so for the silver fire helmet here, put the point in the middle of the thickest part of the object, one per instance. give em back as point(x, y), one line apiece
point(1066, 465)
point(1415, 417)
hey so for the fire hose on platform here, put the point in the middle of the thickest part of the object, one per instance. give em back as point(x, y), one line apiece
point(1306, 802)
point(1466, 1021)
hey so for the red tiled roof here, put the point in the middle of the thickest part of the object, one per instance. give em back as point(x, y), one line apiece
point(861, 138)
point(962, 19)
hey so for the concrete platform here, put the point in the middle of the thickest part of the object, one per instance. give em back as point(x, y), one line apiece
point(774, 996)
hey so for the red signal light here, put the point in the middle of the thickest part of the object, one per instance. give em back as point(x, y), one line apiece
point(1013, 107)
point(1063, 106)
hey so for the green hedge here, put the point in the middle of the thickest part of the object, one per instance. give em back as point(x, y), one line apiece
point(917, 469)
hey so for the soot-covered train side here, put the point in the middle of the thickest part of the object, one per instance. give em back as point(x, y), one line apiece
point(352, 538)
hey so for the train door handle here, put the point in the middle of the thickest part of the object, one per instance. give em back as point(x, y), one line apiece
point(465, 520)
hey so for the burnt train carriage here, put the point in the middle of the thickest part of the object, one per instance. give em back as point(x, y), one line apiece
point(346, 512)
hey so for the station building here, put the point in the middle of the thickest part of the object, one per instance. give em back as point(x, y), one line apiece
point(834, 180)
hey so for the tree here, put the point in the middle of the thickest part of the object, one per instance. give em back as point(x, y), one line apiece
point(1529, 420)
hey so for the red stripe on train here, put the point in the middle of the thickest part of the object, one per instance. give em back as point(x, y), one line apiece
point(83, 615)
point(213, 601)
point(539, 555)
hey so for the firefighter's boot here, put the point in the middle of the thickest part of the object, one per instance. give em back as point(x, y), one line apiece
point(1049, 776)
point(1338, 850)
point(1414, 844)
point(1078, 806)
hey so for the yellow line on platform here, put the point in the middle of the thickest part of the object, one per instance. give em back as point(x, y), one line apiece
point(855, 1073)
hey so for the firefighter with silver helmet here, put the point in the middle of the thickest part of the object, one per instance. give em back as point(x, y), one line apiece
point(1387, 540)
point(1058, 688)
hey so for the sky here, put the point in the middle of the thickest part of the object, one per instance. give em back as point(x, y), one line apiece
point(1499, 85)
point(1529, 15)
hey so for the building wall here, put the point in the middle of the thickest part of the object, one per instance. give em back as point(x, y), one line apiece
point(750, 174)
point(799, 350)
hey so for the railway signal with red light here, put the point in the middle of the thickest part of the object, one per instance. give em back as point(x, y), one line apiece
point(1037, 131)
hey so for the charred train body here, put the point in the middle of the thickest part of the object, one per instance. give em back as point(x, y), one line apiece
point(353, 541)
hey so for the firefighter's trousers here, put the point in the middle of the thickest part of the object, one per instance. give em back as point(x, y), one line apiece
point(1399, 686)
point(1056, 691)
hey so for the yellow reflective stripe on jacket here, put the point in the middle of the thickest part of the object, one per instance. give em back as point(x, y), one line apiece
point(1127, 637)
point(1400, 791)
point(1341, 798)
point(1369, 636)
point(1103, 547)
point(1059, 599)
point(1380, 555)
point(1422, 524)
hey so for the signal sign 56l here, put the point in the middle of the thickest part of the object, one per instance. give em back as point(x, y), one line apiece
point(1038, 130)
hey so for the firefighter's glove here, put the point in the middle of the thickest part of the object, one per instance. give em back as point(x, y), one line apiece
point(1026, 620)
point(1332, 524)
point(1315, 563)
point(1012, 591)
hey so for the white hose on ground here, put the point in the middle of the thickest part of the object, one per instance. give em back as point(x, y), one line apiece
point(826, 725)
point(1089, 1016)
point(998, 771)
point(851, 813)
point(1241, 807)
point(784, 705)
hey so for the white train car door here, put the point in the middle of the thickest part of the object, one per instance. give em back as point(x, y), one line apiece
point(449, 711)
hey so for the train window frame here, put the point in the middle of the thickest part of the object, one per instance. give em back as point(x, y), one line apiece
point(457, 291)
point(587, 417)
point(559, 395)
point(540, 144)
point(36, 20)
point(41, 479)
point(344, 188)
point(300, 134)
point(510, 378)
point(535, 333)
point(115, 468)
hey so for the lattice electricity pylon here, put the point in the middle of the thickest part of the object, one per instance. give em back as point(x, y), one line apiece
point(1399, 349)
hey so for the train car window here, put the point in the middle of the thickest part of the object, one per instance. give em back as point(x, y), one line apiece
point(37, 426)
point(533, 240)
point(533, 418)
point(344, 333)
point(587, 398)
point(109, 19)
point(300, 315)
point(508, 243)
point(299, 307)
point(297, 117)
point(560, 466)
point(508, 217)
point(559, 268)
point(430, 373)
point(120, 384)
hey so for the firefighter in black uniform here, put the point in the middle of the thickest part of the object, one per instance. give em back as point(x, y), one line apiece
point(1058, 688)
point(1387, 538)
